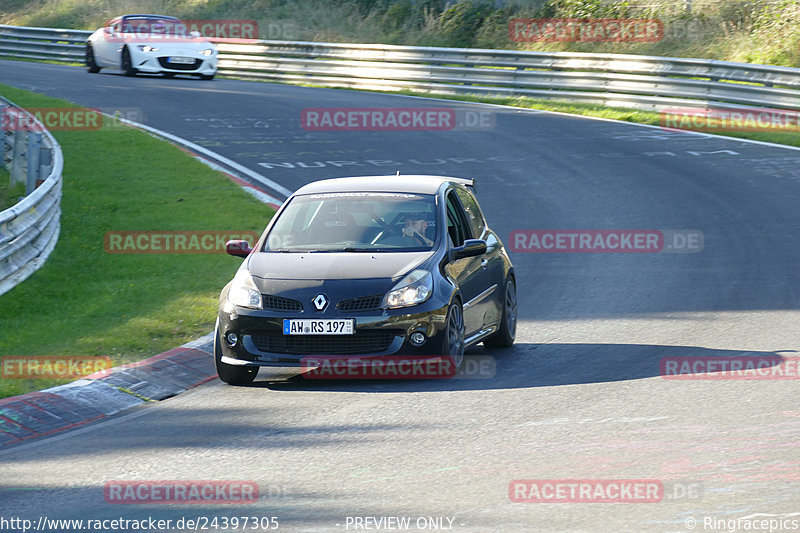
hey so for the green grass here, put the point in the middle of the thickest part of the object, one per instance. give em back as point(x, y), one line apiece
point(85, 301)
point(755, 31)
point(46, 61)
point(9, 195)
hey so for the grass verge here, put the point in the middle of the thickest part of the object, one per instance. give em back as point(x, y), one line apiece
point(8, 194)
point(85, 301)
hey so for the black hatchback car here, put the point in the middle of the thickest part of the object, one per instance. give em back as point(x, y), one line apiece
point(367, 267)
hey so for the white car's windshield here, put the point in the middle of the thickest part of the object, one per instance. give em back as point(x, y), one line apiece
point(355, 222)
point(153, 26)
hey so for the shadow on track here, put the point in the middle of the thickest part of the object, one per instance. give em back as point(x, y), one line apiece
point(528, 365)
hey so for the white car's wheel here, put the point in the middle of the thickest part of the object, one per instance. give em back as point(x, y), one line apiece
point(127, 66)
point(91, 64)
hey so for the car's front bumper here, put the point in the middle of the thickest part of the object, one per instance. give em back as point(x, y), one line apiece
point(378, 333)
point(157, 62)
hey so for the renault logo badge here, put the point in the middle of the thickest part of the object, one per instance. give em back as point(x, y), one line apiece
point(320, 302)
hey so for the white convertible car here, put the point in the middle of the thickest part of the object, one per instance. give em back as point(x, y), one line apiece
point(151, 44)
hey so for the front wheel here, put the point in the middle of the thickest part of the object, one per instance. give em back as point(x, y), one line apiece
point(127, 65)
point(505, 336)
point(206, 76)
point(91, 64)
point(453, 343)
point(231, 374)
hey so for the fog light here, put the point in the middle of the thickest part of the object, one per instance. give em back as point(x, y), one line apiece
point(417, 338)
point(231, 338)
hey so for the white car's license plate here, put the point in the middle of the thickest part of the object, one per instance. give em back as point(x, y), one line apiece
point(182, 60)
point(324, 326)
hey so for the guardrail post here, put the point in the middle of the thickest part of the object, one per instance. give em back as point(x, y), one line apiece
point(4, 146)
point(45, 164)
point(32, 158)
point(17, 157)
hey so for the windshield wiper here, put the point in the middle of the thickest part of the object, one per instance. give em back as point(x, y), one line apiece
point(356, 249)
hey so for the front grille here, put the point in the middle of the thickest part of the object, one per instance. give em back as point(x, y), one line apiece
point(362, 343)
point(367, 303)
point(180, 66)
point(276, 303)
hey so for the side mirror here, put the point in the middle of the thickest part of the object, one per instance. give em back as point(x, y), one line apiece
point(470, 248)
point(238, 248)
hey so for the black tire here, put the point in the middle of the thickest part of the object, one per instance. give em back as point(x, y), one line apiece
point(127, 66)
point(505, 336)
point(169, 74)
point(453, 342)
point(91, 64)
point(231, 374)
point(206, 76)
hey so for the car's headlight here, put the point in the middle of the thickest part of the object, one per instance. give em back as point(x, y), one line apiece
point(147, 48)
point(413, 289)
point(243, 291)
point(207, 52)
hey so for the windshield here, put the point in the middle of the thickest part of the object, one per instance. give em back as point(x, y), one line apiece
point(355, 222)
point(153, 25)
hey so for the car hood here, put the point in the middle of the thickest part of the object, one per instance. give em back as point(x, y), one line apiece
point(345, 265)
point(161, 41)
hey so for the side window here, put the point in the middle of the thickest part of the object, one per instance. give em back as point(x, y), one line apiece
point(474, 215)
point(456, 225)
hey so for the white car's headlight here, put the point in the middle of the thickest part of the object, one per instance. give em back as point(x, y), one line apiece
point(413, 289)
point(207, 52)
point(243, 291)
point(147, 48)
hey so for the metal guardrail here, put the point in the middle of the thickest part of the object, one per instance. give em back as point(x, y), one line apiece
point(29, 229)
point(643, 82)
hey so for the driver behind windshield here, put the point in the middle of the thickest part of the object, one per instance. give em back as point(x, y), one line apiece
point(415, 228)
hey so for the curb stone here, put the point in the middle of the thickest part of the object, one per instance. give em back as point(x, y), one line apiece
point(106, 393)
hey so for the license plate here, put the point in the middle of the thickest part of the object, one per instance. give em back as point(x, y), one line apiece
point(182, 60)
point(326, 326)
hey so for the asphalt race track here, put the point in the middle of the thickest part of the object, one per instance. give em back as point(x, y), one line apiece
point(580, 396)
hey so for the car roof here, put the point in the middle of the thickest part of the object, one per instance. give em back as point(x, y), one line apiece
point(143, 16)
point(413, 183)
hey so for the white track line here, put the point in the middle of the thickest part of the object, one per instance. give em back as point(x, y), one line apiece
point(266, 182)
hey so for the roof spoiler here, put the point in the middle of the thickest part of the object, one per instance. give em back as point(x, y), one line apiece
point(466, 182)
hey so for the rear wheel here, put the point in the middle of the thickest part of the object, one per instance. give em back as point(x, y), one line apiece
point(127, 66)
point(453, 343)
point(508, 323)
point(91, 64)
point(206, 76)
point(231, 374)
